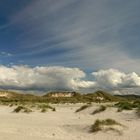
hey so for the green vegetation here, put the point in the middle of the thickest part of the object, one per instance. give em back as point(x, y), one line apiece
point(43, 110)
point(124, 106)
point(130, 97)
point(22, 109)
point(25, 107)
point(127, 105)
point(136, 104)
point(44, 107)
point(13, 98)
point(106, 97)
point(27, 110)
point(100, 109)
point(138, 112)
point(99, 125)
point(82, 108)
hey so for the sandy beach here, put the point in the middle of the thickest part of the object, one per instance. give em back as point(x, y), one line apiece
point(65, 124)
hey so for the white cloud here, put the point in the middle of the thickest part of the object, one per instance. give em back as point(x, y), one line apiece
point(131, 80)
point(42, 78)
point(64, 78)
point(108, 78)
point(112, 78)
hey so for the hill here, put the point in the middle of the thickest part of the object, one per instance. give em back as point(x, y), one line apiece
point(15, 96)
point(103, 96)
point(129, 97)
point(61, 97)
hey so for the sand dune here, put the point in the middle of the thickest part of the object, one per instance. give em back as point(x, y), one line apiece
point(65, 124)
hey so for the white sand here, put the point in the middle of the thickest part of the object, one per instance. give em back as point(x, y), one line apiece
point(64, 124)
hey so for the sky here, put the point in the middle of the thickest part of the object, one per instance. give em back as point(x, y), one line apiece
point(78, 45)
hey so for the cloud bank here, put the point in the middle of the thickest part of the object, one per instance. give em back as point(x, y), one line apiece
point(113, 78)
point(42, 78)
point(64, 78)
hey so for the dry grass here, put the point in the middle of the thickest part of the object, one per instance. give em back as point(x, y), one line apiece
point(138, 112)
point(99, 126)
point(44, 107)
point(100, 109)
point(83, 107)
point(124, 106)
point(22, 109)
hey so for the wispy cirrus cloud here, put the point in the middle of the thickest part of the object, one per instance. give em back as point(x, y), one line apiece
point(70, 36)
point(5, 54)
point(79, 33)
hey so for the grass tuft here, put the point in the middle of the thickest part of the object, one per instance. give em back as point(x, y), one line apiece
point(100, 109)
point(43, 110)
point(124, 106)
point(22, 109)
point(138, 112)
point(83, 108)
point(99, 125)
point(45, 107)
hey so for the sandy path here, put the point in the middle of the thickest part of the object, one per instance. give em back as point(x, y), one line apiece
point(64, 124)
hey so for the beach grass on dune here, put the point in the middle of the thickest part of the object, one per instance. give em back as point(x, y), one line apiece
point(44, 107)
point(100, 109)
point(22, 109)
point(83, 107)
point(124, 106)
point(127, 105)
point(138, 112)
point(99, 125)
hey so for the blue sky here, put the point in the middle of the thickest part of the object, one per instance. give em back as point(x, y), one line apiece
point(86, 34)
point(89, 34)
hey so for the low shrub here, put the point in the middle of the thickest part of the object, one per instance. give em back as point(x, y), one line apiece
point(18, 109)
point(100, 109)
point(44, 107)
point(138, 112)
point(136, 104)
point(124, 106)
point(99, 125)
point(27, 110)
point(43, 110)
point(22, 109)
point(82, 108)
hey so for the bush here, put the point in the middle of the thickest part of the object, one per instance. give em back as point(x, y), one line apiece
point(100, 109)
point(43, 110)
point(136, 104)
point(11, 105)
point(96, 126)
point(82, 108)
point(124, 106)
point(18, 109)
point(53, 109)
point(27, 110)
point(99, 125)
point(138, 112)
point(23, 109)
point(45, 107)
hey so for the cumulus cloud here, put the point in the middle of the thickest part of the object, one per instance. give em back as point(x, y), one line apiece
point(64, 78)
point(42, 78)
point(112, 78)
